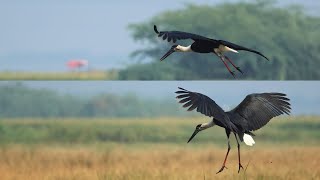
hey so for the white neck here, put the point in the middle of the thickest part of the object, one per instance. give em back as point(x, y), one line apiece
point(184, 48)
point(207, 125)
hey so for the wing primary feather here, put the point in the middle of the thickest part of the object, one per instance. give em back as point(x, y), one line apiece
point(203, 104)
point(155, 29)
point(182, 96)
point(181, 92)
point(277, 94)
point(184, 100)
point(270, 107)
point(283, 98)
point(183, 89)
point(165, 36)
point(187, 104)
point(192, 107)
point(280, 104)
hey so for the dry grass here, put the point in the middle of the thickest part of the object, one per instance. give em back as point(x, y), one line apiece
point(288, 148)
point(84, 75)
point(156, 162)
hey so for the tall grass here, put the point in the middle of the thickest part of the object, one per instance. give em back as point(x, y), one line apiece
point(83, 75)
point(160, 162)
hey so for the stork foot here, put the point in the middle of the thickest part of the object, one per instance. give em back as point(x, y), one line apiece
point(238, 68)
point(240, 166)
point(232, 73)
point(222, 168)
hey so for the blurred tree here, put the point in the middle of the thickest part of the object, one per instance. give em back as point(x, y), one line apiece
point(287, 36)
point(17, 100)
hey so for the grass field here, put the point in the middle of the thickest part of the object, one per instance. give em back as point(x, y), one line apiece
point(83, 75)
point(287, 148)
point(156, 162)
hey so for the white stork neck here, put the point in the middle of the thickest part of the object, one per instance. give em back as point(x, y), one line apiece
point(207, 125)
point(184, 48)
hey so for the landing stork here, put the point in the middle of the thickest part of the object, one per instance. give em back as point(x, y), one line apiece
point(255, 111)
point(203, 44)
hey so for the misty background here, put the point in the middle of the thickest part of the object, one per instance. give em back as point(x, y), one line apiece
point(139, 98)
point(42, 35)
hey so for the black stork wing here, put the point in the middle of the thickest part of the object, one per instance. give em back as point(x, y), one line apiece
point(259, 109)
point(204, 105)
point(237, 47)
point(178, 35)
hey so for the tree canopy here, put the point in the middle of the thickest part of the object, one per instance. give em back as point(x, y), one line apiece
point(287, 36)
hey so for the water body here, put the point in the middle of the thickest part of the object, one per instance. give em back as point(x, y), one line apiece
point(304, 95)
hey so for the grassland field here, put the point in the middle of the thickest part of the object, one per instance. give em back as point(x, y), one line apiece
point(71, 75)
point(154, 148)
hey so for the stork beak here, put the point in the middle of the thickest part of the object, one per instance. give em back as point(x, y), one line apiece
point(167, 54)
point(193, 135)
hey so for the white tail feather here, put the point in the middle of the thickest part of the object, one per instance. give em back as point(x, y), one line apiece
point(248, 140)
point(230, 49)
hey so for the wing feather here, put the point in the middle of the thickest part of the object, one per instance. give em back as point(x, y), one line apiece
point(204, 105)
point(182, 96)
point(259, 109)
point(179, 35)
point(184, 100)
point(238, 47)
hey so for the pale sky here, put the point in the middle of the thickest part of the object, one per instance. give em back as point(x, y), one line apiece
point(43, 34)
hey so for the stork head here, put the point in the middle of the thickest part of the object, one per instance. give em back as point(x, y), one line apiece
point(199, 128)
point(172, 50)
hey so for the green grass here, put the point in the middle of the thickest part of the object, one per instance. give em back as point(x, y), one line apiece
point(85, 75)
point(285, 130)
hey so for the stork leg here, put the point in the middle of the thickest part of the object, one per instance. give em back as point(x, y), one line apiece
point(225, 159)
point(240, 166)
point(231, 72)
point(237, 67)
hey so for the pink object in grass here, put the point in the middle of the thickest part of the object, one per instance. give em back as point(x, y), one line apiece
point(76, 64)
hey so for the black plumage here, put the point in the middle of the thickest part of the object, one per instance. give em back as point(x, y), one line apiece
point(179, 35)
point(255, 111)
point(258, 109)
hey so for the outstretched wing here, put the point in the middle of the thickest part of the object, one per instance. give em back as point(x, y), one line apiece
point(259, 109)
point(203, 104)
point(178, 35)
point(237, 47)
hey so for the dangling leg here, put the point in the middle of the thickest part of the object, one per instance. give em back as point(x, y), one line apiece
point(222, 59)
point(225, 159)
point(240, 166)
point(237, 67)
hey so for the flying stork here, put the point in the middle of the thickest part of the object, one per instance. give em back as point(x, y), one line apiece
point(203, 44)
point(255, 111)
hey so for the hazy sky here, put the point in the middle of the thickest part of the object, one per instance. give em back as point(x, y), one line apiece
point(44, 34)
point(98, 27)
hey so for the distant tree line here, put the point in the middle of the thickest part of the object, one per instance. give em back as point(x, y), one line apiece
point(17, 100)
point(287, 36)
